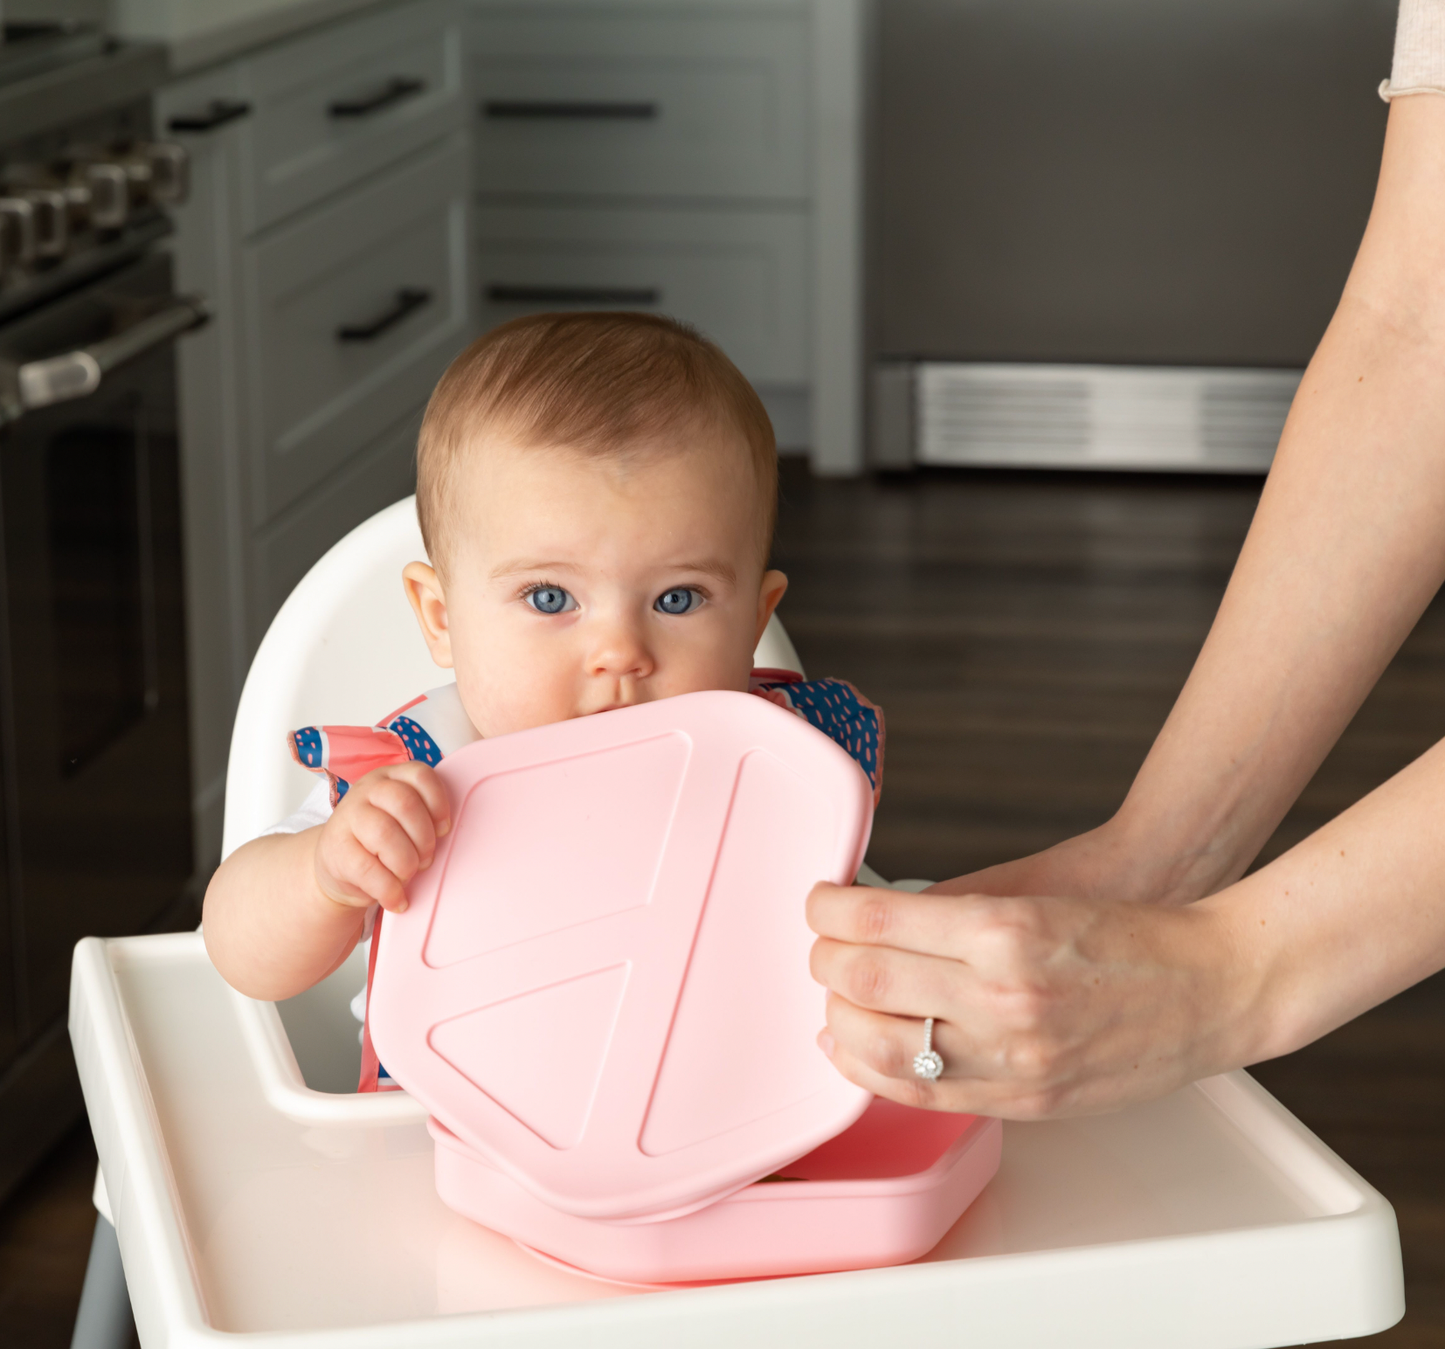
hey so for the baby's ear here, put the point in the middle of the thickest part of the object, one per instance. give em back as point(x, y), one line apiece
point(774, 586)
point(428, 602)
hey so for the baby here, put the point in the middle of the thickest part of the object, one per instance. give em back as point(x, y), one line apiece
point(597, 493)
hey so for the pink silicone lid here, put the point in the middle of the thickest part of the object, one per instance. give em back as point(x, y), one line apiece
point(601, 984)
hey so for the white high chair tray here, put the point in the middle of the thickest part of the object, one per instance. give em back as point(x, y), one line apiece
point(248, 1205)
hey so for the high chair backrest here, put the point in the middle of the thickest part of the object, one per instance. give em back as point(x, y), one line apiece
point(344, 649)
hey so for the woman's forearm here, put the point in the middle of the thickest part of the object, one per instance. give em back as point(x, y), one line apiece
point(1050, 1006)
point(1346, 549)
point(1350, 916)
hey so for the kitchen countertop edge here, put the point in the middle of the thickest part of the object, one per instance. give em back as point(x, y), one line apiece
point(193, 49)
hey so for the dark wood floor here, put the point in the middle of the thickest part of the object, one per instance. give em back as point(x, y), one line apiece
point(1026, 635)
point(45, 1230)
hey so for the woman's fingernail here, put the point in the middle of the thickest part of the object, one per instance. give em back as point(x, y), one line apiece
point(401, 907)
point(826, 1043)
point(444, 828)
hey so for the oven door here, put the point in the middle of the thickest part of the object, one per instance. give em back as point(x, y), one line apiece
point(93, 720)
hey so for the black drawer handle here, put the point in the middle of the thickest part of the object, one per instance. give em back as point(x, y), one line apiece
point(393, 91)
point(517, 109)
point(499, 294)
point(217, 113)
point(408, 298)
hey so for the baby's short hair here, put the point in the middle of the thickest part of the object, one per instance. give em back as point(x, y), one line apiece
point(609, 384)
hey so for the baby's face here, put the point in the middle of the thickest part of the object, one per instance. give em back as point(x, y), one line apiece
point(578, 584)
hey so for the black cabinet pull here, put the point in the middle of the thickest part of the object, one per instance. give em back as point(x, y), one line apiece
point(499, 294)
point(554, 110)
point(393, 91)
point(217, 113)
point(408, 298)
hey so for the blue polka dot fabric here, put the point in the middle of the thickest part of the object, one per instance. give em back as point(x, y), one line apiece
point(418, 743)
point(836, 708)
point(308, 747)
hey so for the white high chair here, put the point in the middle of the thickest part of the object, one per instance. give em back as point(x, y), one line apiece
point(256, 1197)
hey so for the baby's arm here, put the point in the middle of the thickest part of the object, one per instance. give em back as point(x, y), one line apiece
point(285, 910)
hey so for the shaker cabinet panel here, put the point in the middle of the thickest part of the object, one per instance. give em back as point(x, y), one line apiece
point(382, 472)
point(213, 427)
point(741, 276)
point(353, 312)
point(614, 101)
point(329, 109)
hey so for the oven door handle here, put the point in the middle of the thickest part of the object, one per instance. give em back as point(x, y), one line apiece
point(78, 374)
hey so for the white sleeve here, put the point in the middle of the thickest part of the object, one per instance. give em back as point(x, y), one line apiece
point(1419, 64)
point(316, 809)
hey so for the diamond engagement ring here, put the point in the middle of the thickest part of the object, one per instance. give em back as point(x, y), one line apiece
point(927, 1063)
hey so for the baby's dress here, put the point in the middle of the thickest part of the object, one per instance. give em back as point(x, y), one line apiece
point(434, 725)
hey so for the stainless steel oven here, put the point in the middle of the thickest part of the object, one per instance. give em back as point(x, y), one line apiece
point(95, 809)
point(92, 643)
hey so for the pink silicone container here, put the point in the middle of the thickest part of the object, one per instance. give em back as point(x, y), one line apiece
point(601, 984)
point(882, 1192)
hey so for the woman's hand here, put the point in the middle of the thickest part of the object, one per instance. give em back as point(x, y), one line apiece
point(1099, 864)
point(1042, 1007)
point(382, 832)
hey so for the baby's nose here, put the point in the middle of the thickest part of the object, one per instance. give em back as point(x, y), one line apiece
point(620, 650)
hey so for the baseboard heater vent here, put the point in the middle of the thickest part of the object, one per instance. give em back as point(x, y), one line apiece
point(1192, 419)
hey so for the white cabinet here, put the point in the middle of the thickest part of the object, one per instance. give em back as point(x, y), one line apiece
point(351, 311)
point(610, 101)
point(740, 275)
point(376, 475)
point(700, 158)
point(331, 107)
point(328, 225)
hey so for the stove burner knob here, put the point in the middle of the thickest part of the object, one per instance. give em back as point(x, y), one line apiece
point(170, 166)
point(17, 233)
point(77, 204)
point(109, 186)
point(51, 214)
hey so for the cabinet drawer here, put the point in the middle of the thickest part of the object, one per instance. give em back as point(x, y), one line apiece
point(331, 108)
point(378, 474)
point(352, 314)
point(663, 102)
point(740, 276)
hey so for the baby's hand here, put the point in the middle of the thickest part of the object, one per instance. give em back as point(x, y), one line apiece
point(382, 832)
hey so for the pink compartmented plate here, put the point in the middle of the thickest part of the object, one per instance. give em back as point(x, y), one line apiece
point(882, 1192)
point(601, 983)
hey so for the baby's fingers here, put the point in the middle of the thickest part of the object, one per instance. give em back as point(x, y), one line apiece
point(382, 835)
point(428, 786)
point(350, 873)
point(403, 802)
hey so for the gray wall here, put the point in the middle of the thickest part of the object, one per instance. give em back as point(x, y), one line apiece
point(1175, 181)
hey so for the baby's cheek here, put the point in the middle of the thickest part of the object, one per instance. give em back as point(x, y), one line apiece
point(516, 700)
point(722, 663)
point(510, 681)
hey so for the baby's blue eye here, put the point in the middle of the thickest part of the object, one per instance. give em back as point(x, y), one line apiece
point(682, 600)
point(550, 600)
